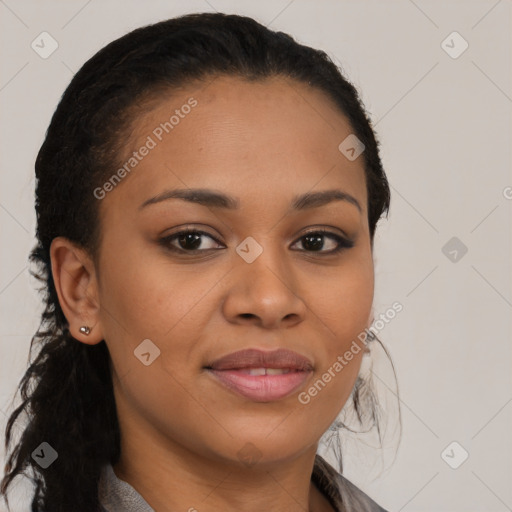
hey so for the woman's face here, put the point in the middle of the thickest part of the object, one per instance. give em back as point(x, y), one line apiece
point(249, 278)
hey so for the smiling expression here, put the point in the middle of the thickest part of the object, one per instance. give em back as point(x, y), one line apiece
point(172, 266)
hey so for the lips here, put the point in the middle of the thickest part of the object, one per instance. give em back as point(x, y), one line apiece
point(253, 358)
point(262, 376)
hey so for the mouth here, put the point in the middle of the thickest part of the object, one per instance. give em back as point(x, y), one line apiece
point(262, 376)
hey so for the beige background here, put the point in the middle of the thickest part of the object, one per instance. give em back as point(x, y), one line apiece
point(445, 128)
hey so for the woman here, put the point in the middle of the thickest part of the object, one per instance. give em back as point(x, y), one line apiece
point(207, 196)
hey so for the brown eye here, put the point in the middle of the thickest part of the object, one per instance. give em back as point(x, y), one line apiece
point(314, 241)
point(187, 241)
point(193, 241)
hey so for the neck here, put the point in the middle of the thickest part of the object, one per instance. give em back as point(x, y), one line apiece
point(176, 478)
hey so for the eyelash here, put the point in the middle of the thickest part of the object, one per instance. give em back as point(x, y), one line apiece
point(343, 243)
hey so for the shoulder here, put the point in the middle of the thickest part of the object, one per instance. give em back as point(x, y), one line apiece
point(342, 493)
point(115, 494)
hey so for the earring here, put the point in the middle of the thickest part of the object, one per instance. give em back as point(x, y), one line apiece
point(85, 330)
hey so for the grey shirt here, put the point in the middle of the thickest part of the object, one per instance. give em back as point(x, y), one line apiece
point(116, 495)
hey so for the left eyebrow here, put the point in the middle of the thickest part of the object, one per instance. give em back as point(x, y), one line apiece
point(215, 199)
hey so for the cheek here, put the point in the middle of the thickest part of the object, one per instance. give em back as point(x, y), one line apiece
point(163, 305)
point(344, 312)
point(146, 293)
point(143, 299)
point(344, 302)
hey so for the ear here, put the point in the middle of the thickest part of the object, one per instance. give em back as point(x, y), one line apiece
point(75, 281)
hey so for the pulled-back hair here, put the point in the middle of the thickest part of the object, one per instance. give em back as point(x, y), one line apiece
point(67, 392)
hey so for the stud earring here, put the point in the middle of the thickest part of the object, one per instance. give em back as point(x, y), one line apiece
point(85, 330)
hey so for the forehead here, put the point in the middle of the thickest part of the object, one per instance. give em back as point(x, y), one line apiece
point(255, 139)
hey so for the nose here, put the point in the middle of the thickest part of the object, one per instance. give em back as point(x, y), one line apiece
point(264, 292)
